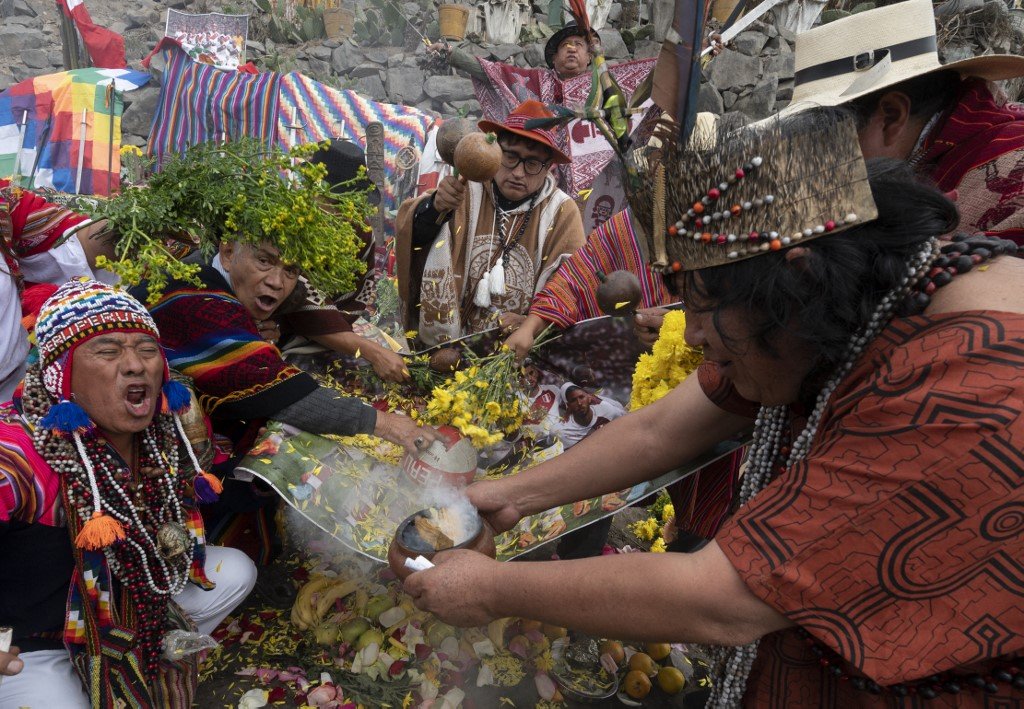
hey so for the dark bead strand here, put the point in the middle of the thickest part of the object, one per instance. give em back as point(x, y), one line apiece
point(1011, 673)
point(959, 256)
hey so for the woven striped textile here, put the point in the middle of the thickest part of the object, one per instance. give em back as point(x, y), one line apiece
point(310, 112)
point(200, 103)
point(570, 294)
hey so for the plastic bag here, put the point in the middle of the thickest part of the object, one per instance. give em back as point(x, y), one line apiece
point(179, 644)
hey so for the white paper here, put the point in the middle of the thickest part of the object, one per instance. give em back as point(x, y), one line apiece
point(420, 563)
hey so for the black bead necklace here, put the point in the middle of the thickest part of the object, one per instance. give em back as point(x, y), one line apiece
point(961, 255)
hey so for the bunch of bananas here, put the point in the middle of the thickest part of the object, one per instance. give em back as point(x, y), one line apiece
point(317, 597)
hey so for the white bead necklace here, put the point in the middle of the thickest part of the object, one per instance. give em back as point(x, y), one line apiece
point(733, 664)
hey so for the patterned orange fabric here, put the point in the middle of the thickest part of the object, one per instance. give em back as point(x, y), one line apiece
point(898, 542)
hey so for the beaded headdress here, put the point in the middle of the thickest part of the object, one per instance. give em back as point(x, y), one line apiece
point(76, 312)
point(719, 199)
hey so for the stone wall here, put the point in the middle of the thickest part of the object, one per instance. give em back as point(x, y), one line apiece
point(747, 82)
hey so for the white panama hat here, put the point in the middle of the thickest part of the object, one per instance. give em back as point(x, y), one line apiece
point(871, 50)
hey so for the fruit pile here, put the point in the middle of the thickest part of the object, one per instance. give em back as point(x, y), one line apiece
point(643, 667)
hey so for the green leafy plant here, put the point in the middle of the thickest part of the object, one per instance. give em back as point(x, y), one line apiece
point(379, 23)
point(244, 192)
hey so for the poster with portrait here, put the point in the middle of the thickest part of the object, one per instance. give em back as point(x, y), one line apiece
point(212, 38)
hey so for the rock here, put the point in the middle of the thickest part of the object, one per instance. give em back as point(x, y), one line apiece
point(662, 12)
point(378, 55)
point(16, 8)
point(503, 52)
point(55, 58)
point(732, 121)
point(469, 108)
point(319, 67)
point(449, 88)
point(615, 13)
point(370, 86)
point(137, 19)
point(732, 69)
point(759, 102)
point(26, 21)
point(140, 108)
point(255, 47)
point(365, 69)
point(779, 66)
point(728, 99)
point(646, 49)
point(119, 27)
point(611, 41)
point(405, 85)
point(14, 41)
point(345, 57)
point(533, 54)
point(6, 81)
point(710, 100)
point(36, 59)
point(320, 52)
point(787, 35)
point(22, 72)
point(749, 43)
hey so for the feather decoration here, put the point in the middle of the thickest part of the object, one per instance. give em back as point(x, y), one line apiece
point(676, 78)
point(562, 116)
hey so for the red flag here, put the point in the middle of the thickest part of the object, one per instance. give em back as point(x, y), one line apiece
point(106, 48)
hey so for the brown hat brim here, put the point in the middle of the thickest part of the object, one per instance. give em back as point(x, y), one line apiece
point(557, 156)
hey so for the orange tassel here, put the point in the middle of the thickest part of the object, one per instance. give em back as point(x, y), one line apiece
point(100, 531)
point(214, 482)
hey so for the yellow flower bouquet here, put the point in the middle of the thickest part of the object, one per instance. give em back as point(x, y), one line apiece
point(669, 363)
point(483, 401)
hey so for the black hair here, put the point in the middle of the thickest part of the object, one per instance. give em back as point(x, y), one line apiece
point(343, 158)
point(928, 94)
point(507, 138)
point(828, 295)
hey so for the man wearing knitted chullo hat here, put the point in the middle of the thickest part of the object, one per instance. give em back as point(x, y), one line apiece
point(99, 530)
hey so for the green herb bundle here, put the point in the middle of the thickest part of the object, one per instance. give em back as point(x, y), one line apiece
point(241, 191)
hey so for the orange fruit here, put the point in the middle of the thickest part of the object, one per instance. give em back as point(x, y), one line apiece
point(614, 649)
point(642, 662)
point(637, 684)
point(671, 680)
point(554, 632)
point(658, 651)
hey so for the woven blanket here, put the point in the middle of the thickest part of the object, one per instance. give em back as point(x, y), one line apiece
point(311, 111)
point(200, 103)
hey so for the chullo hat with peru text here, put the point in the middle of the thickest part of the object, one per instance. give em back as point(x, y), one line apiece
point(723, 198)
point(876, 49)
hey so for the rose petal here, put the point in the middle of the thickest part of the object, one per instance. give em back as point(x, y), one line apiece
point(546, 687)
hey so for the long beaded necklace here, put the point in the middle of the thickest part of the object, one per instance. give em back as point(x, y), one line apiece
point(765, 450)
point(931, 268)
point(152, 562)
